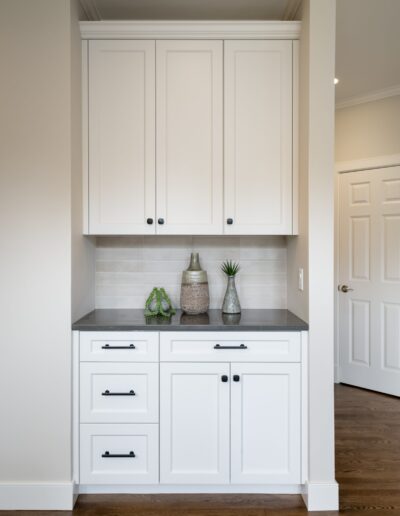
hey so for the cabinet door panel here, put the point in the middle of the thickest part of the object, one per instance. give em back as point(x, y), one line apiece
point(121, 137)
point(258, 137)
point(194, 424)
point(189, 137)
point(265, 427)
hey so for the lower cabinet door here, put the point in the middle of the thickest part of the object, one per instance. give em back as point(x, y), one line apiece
point(119, 454)
point(265, 423)
point(194, 423)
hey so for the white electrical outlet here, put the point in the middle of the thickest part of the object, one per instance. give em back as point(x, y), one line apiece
point(301, 279)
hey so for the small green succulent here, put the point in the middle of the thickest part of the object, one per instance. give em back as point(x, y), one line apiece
point(158, 303)
point(230, 268)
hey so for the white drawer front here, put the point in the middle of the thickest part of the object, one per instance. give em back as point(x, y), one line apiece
point(101, 446)
point(230, 346)
point(119, 393)
point(117, 346)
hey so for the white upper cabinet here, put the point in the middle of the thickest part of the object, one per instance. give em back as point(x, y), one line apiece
point(258, 137)
point(194, 137)
point(121, 145)
point(189, 116)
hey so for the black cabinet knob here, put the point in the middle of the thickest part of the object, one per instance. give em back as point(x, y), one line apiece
point(224, 378)
point(236, 378)
point(161, 221)
point(229, 221)
point(149, 221)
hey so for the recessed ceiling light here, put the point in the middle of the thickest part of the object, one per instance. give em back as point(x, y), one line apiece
point(335, 81)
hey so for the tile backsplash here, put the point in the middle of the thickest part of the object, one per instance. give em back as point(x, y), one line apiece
point(127, 268)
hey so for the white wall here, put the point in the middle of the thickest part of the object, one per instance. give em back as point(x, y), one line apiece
point(317, 56)
point(35, 222)
point(127, 268)
point(368, 130)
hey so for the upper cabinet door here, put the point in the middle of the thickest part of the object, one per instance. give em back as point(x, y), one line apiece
point(258, 137)
point(189, 76)
point(121, 137)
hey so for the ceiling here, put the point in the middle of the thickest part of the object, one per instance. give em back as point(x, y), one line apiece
point(367, 34)
point(367, 46)
point(189, 9)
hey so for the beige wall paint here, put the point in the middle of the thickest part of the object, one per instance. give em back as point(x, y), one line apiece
point(368, 130)
point(35, 222)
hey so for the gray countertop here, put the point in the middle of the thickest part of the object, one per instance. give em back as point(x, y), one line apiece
point(213, 320)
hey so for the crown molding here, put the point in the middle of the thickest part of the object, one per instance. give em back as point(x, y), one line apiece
point(292, 9)
point(190, 29)
point(357, 165)
point(90, 9)
point(369, 97)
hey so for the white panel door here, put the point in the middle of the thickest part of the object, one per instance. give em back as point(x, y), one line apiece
point(258, 137)
point(189, 137)
point(194, 423)
point(369, 277)
point(121, 137)
point(265, 425)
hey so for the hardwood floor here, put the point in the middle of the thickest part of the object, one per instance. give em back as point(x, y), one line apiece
point(367, 469)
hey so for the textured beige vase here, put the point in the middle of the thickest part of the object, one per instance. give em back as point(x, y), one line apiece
point(195, 298)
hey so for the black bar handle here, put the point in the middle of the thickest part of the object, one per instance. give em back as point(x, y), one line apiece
point(108, 393)
point(108, 455)
point(107, 346)
point(218, 346)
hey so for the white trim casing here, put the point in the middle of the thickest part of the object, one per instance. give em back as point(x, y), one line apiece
point(75, 406)
point(392, 160)
point(304, 407)
point(295, 138)
point(320, 496)
point(385, 93)
point(39, 496)
point(85, 138)
point(190, 30)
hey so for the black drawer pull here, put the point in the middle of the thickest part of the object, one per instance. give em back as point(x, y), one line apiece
point(218, 346)
point(108, 393)
point(236, 378)
point(108, 455)
point(107, 346)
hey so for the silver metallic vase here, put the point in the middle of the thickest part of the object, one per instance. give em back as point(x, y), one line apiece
point(231, 304)
point(195, 297)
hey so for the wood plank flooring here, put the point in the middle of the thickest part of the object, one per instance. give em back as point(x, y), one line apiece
point(367, 469)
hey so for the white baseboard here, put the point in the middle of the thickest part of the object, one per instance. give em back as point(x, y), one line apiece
point(322, 496)
point(37, 496)
point(190, 489)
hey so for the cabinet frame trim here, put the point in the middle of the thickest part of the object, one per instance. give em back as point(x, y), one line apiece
point(183, 29)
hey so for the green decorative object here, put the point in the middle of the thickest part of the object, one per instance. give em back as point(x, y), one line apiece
point(158, 303)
